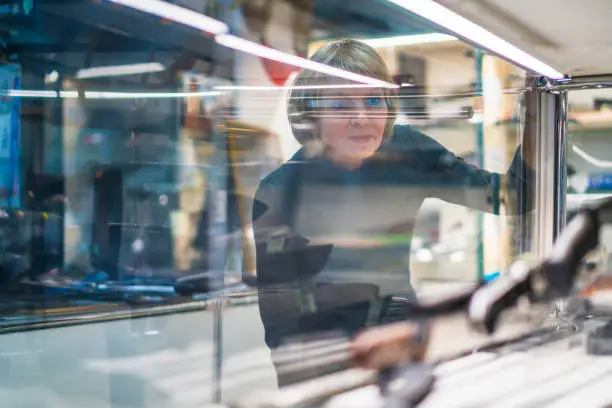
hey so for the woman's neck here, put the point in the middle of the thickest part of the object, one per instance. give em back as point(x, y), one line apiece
point(348, 163)
point(344, 161)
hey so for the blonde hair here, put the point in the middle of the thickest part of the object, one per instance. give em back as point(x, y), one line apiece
point(350, 55)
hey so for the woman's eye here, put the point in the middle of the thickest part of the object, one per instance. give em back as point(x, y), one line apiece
point(339, 104)
point(375, 102)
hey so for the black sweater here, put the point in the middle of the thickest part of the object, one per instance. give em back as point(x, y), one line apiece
point(324, 224)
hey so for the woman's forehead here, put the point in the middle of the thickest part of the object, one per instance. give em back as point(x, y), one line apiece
point(345, 92)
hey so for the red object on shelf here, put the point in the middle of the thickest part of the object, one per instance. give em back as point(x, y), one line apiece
point(278, 72)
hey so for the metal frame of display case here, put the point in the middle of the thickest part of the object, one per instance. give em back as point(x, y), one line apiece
point(551, 114)
point(551, 168)
point(578, 83)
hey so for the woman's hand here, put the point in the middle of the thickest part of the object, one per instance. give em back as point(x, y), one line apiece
point(388, 345)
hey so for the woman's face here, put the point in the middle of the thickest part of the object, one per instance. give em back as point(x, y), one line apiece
point(352, 123)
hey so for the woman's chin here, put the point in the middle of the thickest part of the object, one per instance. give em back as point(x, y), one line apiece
point(355, 154)
point(363, 153)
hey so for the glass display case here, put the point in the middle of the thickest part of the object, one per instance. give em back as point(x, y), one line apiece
point(587, 163)
point(144, 144)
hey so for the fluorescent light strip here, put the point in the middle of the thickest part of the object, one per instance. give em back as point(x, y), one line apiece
point(178, 14)
point(450, 20)
point(417, 39)
point(219, 29)
point(284, 88)
point(467, 94)
point(591, 159)
point(147, 95)
point(262, 51)
point(109, 95)
point(120, 70)
point(22, 93)
point(403, 119)
point(69, 94)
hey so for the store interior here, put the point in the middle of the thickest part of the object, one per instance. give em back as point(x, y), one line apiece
point(129, 143)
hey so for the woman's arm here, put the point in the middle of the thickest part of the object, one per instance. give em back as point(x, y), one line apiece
point(452, 179)
point(484, 190)
point(488, 191)
point(270, 227)
point(277, 260)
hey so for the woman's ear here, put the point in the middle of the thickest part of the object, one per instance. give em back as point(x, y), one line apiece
point(306, 131)
point(302, 126)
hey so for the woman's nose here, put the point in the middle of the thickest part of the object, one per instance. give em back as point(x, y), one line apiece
point(360, 115)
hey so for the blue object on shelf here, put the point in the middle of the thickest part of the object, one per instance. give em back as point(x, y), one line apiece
point(600, 182)
point(97, 277)
point(491, 276)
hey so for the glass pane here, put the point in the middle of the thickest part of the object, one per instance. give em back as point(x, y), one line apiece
point(374, 198)
point(588, 160)
point(177, 202)
point(109, 161)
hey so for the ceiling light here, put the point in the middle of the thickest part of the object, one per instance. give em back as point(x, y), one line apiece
point(281, 88)
point(120, 70)
point(262, 51)
point(219, 29)
point(69, 94)
point(178, 14)
point(402, 40)
point(146, 95)
point(22, 93)
point(464, 28)
point(108, 95)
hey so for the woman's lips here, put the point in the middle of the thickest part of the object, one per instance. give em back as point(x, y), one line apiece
point(362, 139)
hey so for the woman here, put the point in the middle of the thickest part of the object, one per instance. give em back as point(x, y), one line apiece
point(336, 220)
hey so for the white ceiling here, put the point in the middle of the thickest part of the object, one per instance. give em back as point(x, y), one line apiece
point(574, 36)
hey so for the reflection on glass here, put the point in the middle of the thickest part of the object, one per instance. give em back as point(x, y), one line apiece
point(234, 191)
point(340, 215)
point(589, 160)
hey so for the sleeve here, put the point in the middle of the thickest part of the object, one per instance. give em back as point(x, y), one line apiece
point(275, 265)
point(452, 179)
point(270, 227)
